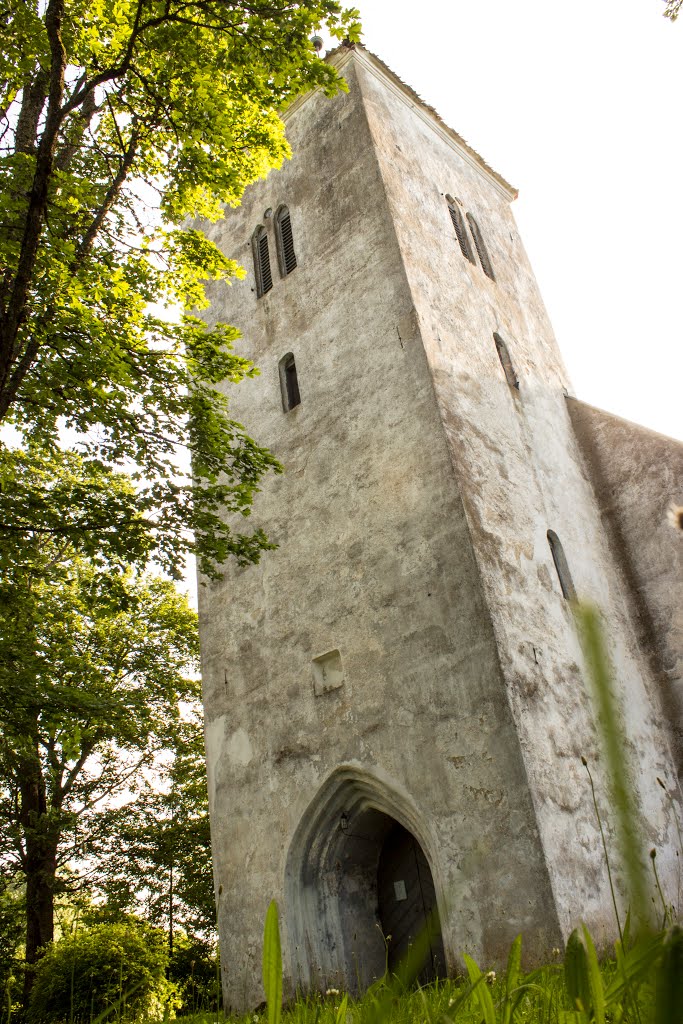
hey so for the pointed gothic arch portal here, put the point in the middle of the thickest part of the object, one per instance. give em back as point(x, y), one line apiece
point(358, 872)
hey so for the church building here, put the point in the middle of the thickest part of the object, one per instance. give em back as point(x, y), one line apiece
point(396, 700)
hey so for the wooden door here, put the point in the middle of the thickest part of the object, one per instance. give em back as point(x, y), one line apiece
point(407, 903)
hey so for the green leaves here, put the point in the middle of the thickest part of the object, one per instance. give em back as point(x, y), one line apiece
point(481, 991)
point(669, 979)
point(341, 1011)
point(82, 502)
point(594, 979)
point(657, 959)
point(634, 966)
point(272, 965)
point(643, 987)
point(576, 972)
point(107, 972)
point(168, 110)
point(513, 978)
point(94, 661)
point(161, 857)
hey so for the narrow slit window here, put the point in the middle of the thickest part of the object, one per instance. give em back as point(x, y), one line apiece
point(285, 241)
point(460, 229)
point(480, 247)
point(289, 383)
point(259, 245)
point(505, 361)
point(562, 566)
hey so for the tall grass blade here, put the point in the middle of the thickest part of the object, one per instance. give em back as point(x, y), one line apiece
point(604, 850)
point(626, 941)
point(614, 744)
point(576, 972)
point(481, 991)
point(675, 815)
point(666, 910)
point(513, 974)
point(594, 979)
point(272, 965)
point(634, 967)
point(116, 1006)
point(454, 1006)
point(512, 977)
point(419, 952)
point(669, 979)
point(341, 1012)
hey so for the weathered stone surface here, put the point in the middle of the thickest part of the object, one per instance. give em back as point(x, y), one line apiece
point(412, 519)
point(638, 477)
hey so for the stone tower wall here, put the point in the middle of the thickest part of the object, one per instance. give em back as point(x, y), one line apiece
point(520, 473)
point(638, 476)
point(374, 560)
point(411, 521)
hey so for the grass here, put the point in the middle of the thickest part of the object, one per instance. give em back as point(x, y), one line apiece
point(544, 1001)
point(540, 997)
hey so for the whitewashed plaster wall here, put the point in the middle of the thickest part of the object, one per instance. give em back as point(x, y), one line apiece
point(411, 521)
point(520, 473)
point(374, 560)
point(638, 478)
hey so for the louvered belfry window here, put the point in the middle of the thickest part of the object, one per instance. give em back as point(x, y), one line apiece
point(505, 361)
point(285, 241)
point(481, 248)
point(264, 277)
point(460, 229)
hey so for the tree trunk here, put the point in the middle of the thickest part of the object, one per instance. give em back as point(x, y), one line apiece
point(170, 911)
point(40, 866)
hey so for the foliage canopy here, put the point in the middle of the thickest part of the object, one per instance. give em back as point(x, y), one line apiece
point(673, 8)
point(93, 663)
point(118, 121)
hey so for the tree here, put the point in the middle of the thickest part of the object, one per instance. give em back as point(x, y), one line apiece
point(162, 857)
point(118, 122)
point(93, 662)
point(161, 867)
point(81, 504)
point(673, 8)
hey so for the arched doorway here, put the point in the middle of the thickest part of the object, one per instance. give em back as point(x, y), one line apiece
point(407, 908)
point(356, 839)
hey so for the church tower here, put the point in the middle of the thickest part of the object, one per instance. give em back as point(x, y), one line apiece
point(396, 704)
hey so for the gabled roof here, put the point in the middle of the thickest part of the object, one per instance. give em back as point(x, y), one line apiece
point(348, 51)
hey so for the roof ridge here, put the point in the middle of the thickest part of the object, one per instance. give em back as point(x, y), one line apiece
point(360, 48)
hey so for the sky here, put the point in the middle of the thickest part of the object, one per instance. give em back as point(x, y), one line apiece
point(579, 107)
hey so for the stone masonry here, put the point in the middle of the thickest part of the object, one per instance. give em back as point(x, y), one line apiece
point(407, 654)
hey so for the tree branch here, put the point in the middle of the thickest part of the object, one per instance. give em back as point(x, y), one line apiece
point(73, 774)
point(71, 147)
point(33, 99)
point(15, 313)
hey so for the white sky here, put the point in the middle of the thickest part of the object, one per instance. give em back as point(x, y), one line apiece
point(578, 106)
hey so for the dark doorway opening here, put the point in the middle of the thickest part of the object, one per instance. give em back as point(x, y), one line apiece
point(407, 907)
point(356, 839)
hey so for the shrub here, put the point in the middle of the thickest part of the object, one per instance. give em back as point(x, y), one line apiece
point(117, 967)
point(194, 969)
